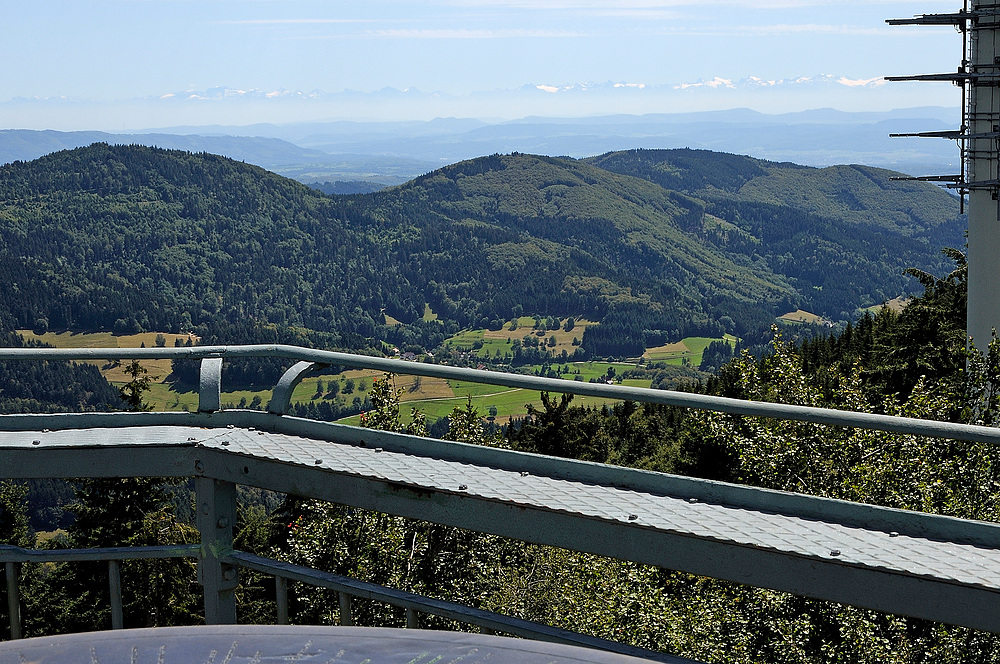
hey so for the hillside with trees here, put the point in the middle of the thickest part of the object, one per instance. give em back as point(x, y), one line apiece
point(129, 238)
point(843, 236)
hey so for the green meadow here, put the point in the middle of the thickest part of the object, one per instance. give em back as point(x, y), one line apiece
point(436, 398)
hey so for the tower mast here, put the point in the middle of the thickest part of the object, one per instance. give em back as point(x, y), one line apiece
point(979, 142)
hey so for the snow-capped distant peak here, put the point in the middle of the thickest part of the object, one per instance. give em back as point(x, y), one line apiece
point(716, 82)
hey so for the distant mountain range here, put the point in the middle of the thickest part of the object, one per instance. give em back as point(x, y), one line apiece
point(393, 152)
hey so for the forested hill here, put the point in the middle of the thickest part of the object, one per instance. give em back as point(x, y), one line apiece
point(843, 235)
point(129, 238)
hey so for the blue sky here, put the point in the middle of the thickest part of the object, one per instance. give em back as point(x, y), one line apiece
point(110, 59)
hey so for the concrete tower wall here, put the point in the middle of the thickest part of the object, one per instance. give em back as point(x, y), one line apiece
point(984, 208)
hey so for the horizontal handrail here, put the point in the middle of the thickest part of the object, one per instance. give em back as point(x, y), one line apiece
point(16, 554)
point(828, 416)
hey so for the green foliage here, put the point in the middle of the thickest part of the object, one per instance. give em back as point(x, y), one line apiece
point(384, 414)
point(73, 597)
point(895, 470)
point(132, 392)
point(14, 530)
point(627, 434)
point(466, 425)
point(14, 526)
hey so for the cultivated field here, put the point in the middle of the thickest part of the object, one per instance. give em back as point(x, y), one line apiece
point(435, 397)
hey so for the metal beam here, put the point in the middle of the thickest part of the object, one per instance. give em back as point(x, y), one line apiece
point(818, 574)
point(115, 589)
point(215, 502)
point(983, 311)
point(957, 19)
point(14, 554)
point(13, 599)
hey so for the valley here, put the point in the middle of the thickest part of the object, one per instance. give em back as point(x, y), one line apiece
point(434, 397)
point(641, 261)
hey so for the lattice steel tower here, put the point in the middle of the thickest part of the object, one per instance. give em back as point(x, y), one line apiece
point(979, 142)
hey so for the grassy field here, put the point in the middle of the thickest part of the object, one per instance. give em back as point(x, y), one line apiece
point(497, 343)
point(510, 404)
point(689, 349)
point(800, 316)
point(156, 368)
point(435, 397)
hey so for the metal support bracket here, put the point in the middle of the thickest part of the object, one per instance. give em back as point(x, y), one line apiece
point(281, 398)
point(210, 385)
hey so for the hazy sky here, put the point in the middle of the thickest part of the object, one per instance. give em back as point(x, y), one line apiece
point(112, 51)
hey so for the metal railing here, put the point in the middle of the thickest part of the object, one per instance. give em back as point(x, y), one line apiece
point(311, 361)
point(216, 555)
point(347, 590)
point(12, 557)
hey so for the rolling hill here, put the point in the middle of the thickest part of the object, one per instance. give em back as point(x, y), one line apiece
point(657, 245)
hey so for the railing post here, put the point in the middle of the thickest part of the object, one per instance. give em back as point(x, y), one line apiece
point(411, 618)
point(13, 600)
point(281, 598)
point(346, 619)
point(216, 503)
point(115, 586)
point(210, 385)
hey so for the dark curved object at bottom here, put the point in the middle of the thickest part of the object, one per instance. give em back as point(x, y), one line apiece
point(271, 644)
